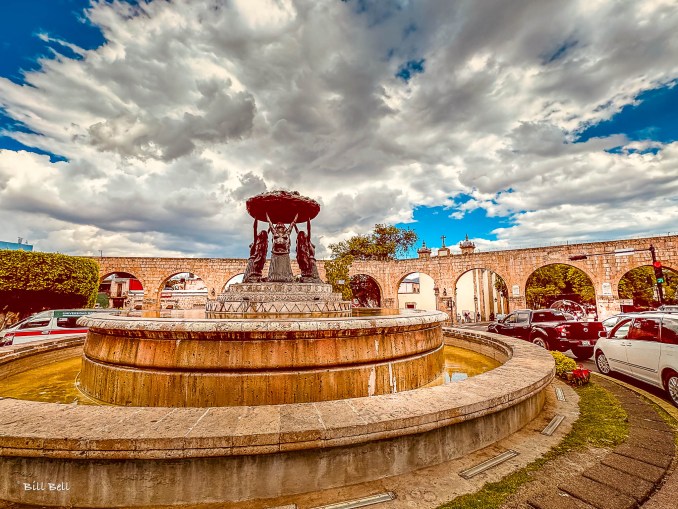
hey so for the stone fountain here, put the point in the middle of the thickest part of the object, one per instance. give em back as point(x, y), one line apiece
point(277, 392)
point(253, 352)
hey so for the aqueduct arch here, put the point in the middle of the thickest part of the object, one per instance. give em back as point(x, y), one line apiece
point(514, 266)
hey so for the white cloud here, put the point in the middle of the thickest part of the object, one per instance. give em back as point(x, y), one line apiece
point(191, 107)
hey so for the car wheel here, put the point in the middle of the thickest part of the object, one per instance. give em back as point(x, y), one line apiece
point(541, 341)
point(602, 364)
point(582, 353)
point(671, 385)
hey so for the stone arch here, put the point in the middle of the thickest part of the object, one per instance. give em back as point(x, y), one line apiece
point(233, 279)
point(647, 297)
point(487, 301)
point(225, 279)
point(367, 301)
point(424, 298)
point(183, 301)
point(591, 277)
point(125, 293)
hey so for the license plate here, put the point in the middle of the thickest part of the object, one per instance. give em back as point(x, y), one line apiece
point(585, 343)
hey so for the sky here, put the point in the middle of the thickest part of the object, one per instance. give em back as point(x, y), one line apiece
point(139, 128)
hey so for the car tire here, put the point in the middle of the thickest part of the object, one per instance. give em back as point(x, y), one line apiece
point(541, 341)
point(602, 364)
point(582, 353)
point(671, 386)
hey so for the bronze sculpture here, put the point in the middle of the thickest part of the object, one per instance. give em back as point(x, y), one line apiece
point(280, 270)
point(258, 250)
point(280, 208)
point(306, 256)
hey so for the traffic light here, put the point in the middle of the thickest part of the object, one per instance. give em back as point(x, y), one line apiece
point(658, 272)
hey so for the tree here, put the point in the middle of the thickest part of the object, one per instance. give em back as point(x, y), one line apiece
point(31, 282)
point(500, 286)
point(639, 284)
point(385, 242)
point(558, 281)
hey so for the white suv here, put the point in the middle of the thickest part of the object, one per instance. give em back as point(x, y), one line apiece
point(645, 347)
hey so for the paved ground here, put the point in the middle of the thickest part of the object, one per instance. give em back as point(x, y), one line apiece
point(635, 472)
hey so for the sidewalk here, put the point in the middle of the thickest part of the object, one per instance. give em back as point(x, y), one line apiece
point(638, 473)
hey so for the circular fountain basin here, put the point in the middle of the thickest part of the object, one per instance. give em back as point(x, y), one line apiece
point(167, 362)
point(107, 456)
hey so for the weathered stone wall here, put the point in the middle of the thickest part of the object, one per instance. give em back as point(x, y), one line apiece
point(514, 266)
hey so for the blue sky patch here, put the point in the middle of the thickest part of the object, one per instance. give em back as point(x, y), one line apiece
point(433, 222)
point(23, 20)
point(654, 118)
point(560, 52)
point(409, 68)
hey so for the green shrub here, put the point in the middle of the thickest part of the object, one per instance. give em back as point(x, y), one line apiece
point(102, 300)
point(31, 282)
point(563, 363)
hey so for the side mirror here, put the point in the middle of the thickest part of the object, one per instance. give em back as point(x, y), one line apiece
point(602, 334)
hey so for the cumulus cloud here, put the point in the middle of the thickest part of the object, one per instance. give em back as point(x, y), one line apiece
point(190, 107)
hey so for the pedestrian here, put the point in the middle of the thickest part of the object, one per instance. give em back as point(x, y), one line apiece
point(478, 316)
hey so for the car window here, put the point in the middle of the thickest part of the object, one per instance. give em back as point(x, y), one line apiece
point(540, 317)
point(644, 329)
point(547, 316)
point(67, 322)
point(609, 322)
point(35, 323)
point(522, 317)
point(621, 330)
point(669, 332)
point(510, 318)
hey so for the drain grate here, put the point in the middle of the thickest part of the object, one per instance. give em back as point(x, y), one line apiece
point(560, 395)
point(360, 502)
point(486, 465)
point(553, 425)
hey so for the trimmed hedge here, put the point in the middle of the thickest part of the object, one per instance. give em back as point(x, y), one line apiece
point(31, 282)
point(563, 363)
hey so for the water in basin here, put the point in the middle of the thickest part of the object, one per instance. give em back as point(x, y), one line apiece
point(57, 382)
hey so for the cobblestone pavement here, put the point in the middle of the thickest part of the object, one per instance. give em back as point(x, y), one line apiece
point(637, 473)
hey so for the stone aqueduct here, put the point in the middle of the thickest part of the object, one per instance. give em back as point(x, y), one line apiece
point(514, 266)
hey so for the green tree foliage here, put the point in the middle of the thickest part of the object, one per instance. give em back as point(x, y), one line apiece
point(30, 282)
point(385, 242)
point(558, 281)
point(102, 300)
point(639, 284)
point(336, 272)
point(500, 286)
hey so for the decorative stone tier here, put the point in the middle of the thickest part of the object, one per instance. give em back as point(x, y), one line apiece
point(201, 363)
point(288, 299)
point(117, 456)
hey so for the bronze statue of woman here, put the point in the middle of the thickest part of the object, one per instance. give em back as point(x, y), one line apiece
point(306, 255)
point(258, 251)
point(280, 269)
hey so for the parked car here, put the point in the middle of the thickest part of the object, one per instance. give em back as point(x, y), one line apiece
point(644, 347)
point(45, 325)
point(579, 311)
point(550, 329)
point(613, 320)
point(668, 308)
